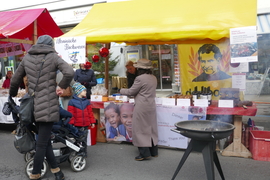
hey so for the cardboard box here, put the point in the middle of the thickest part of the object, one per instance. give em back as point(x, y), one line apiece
point(96, 98)
point(259, 145)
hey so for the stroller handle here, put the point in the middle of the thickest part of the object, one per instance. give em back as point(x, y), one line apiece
point(13, 104)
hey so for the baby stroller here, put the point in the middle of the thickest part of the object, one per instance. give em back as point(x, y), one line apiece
point(70, 148)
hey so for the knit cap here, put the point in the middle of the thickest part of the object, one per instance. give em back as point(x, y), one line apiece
point(45, 39)
point(78, 88)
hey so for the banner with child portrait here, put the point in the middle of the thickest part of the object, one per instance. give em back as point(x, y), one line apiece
point(118, 122)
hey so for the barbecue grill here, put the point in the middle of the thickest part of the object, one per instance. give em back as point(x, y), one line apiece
point(203, 134)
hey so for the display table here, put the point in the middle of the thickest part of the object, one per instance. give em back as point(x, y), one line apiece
point(236, 148)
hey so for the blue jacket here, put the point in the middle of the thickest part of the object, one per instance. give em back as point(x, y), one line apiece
point(81, 110)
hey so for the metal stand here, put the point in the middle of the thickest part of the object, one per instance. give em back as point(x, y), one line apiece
point(209, 155)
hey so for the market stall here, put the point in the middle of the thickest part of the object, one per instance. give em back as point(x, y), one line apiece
point(25, 26)
point(19, 30)
point(177, 22)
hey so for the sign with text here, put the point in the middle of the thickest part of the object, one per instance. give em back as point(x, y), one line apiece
point(71, 49)
point(225, 103)
point(239, 81)
point(243, 42)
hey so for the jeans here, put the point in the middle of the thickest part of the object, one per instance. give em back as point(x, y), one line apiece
point(84, 141)
point(44, 147)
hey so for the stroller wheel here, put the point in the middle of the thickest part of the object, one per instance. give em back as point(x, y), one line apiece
point(29, 155)
point(71, 156)
point(29, 167)
point(78, 163)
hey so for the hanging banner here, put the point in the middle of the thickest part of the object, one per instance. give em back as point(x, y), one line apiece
point(205, 65)
point(10, 49)
point(244, 47)
point(17, 49)
point(167, 116)
point(118, 122)
point(3, 50)
point(71, 49)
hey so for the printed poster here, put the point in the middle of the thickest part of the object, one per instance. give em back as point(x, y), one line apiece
point(167, 116)
point(71, 49)
point(133, 55)
point(117, 121)
point(239, 81)
point(244, 47)
point(3, 50)
point(201, 69)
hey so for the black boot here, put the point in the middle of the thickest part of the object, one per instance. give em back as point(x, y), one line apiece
point(58, 174)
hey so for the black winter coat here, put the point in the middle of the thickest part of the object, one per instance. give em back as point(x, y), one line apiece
point(46, 103)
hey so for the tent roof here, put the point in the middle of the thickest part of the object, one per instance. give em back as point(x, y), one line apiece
point(20, 24)
point(164, 22)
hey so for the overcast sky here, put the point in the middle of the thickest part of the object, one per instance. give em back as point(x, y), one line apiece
point(14, 4)
point(21, 3)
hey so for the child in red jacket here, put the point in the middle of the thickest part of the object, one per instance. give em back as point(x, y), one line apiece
point(81, 110)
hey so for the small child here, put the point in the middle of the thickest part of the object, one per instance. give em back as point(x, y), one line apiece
point(63, 122)
point(81, 110)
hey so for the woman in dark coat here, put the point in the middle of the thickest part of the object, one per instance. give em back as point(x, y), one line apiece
point(144, 121)
point(46, 104)
point(86, 76)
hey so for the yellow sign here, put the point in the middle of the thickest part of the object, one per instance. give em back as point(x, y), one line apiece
point(205, 65)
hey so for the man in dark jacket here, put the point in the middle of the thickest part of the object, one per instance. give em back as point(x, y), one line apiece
point(131, 73)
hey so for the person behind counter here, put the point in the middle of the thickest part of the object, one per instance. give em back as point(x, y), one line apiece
point(131, 73)
point(144, 122)
point(6, 83)
point(86, 76)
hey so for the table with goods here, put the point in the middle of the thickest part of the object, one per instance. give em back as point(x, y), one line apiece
point(236, 148)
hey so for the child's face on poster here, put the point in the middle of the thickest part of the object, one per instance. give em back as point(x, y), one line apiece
point(112, 117)
point(126, 114)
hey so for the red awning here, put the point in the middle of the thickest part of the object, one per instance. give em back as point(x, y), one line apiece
point(20, 24)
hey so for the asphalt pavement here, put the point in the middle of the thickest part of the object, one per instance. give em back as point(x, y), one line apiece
point(115, 161)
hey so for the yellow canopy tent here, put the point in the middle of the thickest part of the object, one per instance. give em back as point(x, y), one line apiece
point(164, 22)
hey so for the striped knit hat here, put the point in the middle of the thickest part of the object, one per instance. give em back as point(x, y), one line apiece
point(78, 88)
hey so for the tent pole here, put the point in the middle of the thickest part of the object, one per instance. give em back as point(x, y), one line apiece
point(108, 46)
point(35, 32)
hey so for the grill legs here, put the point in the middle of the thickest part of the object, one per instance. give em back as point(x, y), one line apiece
point(209, 155)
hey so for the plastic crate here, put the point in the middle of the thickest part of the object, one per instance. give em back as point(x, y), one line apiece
point(259, 145)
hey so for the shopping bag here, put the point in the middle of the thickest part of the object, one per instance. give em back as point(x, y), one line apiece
point(26, 110)
point(67, 92)
point(6, 109)
point(24, 139)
